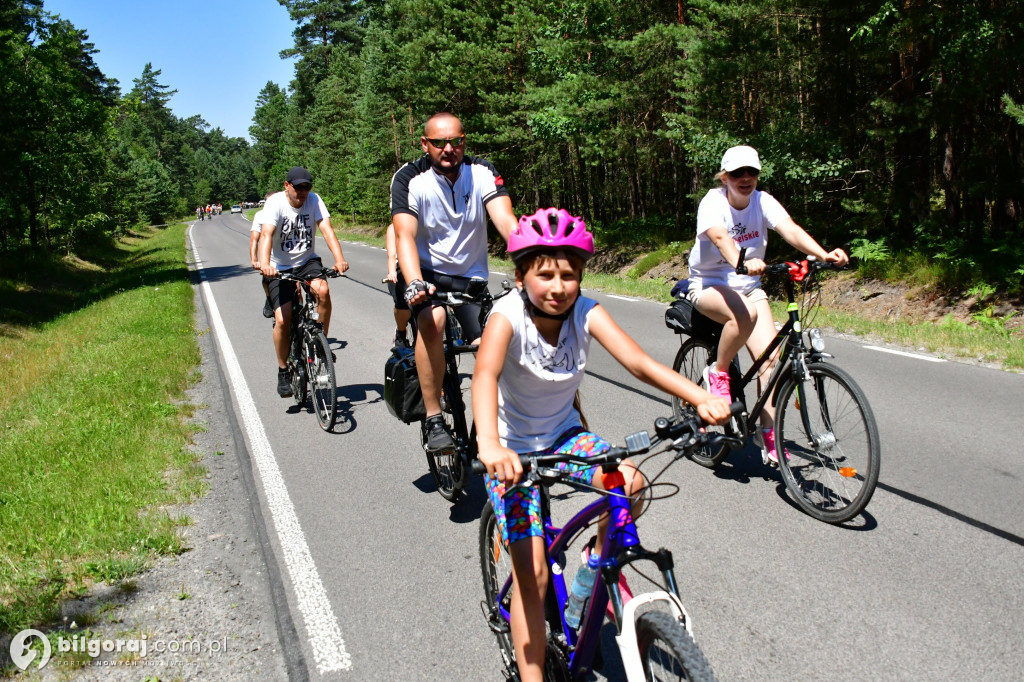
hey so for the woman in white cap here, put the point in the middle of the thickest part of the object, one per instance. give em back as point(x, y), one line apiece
point(734, 216)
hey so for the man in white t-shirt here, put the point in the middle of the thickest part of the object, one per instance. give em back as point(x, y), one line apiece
point(290, 220)
point(439, 205)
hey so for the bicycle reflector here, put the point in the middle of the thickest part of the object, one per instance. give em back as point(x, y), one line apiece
point(847, 472)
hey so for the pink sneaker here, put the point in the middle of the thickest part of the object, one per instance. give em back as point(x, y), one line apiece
point(717, 383)
point(769, 446)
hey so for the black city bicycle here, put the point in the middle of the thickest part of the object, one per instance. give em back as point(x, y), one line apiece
point(310, 362)
point(829, 453)
point(450, 467)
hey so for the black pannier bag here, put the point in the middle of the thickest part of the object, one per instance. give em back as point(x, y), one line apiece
point(682, 317)
point(402, 387)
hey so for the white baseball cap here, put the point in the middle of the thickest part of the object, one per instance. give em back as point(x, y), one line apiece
point(740, 157)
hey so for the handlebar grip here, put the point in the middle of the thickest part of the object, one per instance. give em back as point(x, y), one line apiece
point(741, 269)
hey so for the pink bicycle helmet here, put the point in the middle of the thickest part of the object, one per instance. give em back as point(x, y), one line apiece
point(551, 228)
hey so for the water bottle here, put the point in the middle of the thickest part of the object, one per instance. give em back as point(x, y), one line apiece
point(582, 587)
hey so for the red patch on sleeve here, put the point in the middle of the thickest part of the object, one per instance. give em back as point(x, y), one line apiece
point(499, 182)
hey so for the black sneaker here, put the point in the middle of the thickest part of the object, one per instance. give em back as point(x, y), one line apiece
point(268, 309)
point(400, 339)
point(435, 435)
point(284, 383)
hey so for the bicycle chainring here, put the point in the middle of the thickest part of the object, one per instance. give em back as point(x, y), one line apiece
point(556, 664)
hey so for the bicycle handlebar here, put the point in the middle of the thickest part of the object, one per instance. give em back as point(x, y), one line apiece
point(459, 298)
point(797, 271)
point(326, 273)
point(685, 434)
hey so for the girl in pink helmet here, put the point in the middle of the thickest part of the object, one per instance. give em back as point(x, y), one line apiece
point(528, 369)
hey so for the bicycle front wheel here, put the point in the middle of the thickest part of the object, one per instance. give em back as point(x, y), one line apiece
point(496, 565)
point(693, 356)
point(448, 467)
point(667, 650)
point(832, 451)
point(323, 389)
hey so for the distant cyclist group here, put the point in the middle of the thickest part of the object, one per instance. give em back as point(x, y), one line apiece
point(210, 210)
point(532, 347)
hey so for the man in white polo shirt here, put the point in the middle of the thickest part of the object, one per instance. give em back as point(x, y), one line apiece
point(440, 204)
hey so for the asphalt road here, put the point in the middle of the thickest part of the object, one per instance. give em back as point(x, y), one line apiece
point(381, 575)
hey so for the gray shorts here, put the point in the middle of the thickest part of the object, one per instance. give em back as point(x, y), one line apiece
point(754, 294)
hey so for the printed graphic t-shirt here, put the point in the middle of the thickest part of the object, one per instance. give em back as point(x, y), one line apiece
point(748, 229)
point(295, 229)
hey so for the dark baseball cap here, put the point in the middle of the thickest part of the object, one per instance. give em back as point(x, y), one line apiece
point(298, 176)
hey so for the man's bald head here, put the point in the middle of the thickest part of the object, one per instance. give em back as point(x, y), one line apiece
point(442, 121)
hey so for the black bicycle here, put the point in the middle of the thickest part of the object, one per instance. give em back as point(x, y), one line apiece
point(310, 362)
point(450, 467)
point(825, 432)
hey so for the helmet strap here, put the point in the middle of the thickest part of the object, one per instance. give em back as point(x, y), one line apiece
point(537, 312)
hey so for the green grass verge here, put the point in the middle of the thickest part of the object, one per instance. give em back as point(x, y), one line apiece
point(988, 342)
point(94, 444)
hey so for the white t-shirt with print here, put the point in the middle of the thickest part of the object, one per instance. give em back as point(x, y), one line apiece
point(295, 229)
point(747, 227)
point(539, 381)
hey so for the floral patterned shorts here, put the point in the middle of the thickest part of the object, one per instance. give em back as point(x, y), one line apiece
point(518, 510)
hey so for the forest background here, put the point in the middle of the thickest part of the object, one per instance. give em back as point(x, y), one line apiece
point(895, 126)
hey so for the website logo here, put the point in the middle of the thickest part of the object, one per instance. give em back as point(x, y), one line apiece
point(22, 655)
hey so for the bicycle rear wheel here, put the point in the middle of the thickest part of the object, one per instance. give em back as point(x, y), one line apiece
point(829, 434)
point(667, 651)
point(448, 467)
point(693, 356)
point(323, 389)
point(496, 566)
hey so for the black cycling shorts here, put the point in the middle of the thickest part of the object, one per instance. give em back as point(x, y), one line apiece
point(284, 292)
point(468, 315)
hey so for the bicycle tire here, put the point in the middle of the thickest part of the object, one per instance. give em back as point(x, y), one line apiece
point(834, 452)
point(323, 387)
point(691, 359)
point(496, 567)
point(448, 467)
point(668, 652)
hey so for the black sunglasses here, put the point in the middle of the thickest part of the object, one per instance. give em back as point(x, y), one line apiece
point(304, 187)
point(441, 143)
point(746, 170)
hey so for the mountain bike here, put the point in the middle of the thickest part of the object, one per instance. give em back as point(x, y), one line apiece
point(654, 632)
point(310, 361)
point(823, 422)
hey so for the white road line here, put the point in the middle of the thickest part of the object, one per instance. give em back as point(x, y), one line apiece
point(909, 355)
point(623, 298)
point(321, 624)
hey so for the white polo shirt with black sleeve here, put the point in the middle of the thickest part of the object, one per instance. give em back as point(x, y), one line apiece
point(452, 234)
